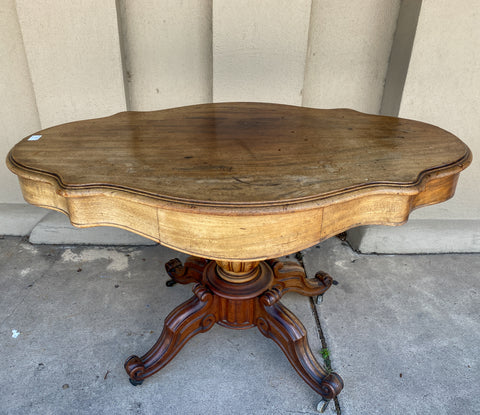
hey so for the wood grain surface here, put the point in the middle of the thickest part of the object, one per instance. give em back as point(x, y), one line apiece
point(239, 181)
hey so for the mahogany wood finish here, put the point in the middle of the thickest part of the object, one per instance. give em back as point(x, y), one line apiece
point(240, 306)
point(238, 184)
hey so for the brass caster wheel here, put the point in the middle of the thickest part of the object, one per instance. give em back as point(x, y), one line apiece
point(135, 382)
point(322, 406)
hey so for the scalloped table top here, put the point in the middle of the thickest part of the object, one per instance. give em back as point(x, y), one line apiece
point(238, 160)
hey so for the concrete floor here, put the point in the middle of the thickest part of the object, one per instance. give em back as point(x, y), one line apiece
point(403, 332)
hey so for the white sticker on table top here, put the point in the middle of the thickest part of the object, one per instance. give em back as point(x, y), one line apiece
point(34, 137)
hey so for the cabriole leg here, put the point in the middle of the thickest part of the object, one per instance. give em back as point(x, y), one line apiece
point(279, 324)
point(187, 320)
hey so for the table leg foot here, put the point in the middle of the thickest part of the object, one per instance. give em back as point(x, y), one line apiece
point(290, 276)
point(322, 405)
point(187, 320)
point(189, 273)
point(170, 283)
point(279, 324)
point(135, 382)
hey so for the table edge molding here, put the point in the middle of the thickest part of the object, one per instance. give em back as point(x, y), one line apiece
point(274, 230)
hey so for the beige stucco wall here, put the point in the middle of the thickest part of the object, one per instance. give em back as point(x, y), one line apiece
point(73, 54)
point(349, 48)
point(63, 61)
point(442, 87)
point(167, 52)
point(18, 110)
point(259, 50)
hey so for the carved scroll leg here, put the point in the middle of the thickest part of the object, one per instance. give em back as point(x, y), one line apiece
point(279, 324)
point(191, 272)
point(291, 276)
point(187, 320)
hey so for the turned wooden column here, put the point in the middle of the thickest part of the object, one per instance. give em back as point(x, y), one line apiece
point(238, 271)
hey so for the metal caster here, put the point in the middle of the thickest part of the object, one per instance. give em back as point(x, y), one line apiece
point(135, 382)
point(319, 299)
point(322, 406)
point(170, 283)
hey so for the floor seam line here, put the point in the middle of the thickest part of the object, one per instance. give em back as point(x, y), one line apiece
point(326, 359)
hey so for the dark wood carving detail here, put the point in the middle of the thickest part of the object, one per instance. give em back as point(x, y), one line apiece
point(189, 273)
point(240, 306)
point(278, 323)
point(187, 320)
point(236, 314)
point(290, 276)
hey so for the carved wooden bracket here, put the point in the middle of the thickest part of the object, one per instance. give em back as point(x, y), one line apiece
point(251, 303)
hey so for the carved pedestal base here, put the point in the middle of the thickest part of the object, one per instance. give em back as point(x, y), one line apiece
point(240, 296)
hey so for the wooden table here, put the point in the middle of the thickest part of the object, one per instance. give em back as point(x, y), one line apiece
point(237, 185)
